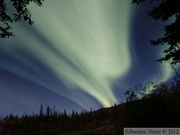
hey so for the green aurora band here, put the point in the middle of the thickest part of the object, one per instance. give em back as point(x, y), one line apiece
point(88, 34)
point(93, 38)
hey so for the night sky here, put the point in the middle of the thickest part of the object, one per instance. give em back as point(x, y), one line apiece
point(78, 54)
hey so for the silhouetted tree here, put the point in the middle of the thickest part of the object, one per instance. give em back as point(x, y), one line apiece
point(21, 12)
point(48, 111)
point(41, 111)
point(166, 10)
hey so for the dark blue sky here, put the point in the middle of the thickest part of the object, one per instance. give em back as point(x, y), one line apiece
point(78, 55)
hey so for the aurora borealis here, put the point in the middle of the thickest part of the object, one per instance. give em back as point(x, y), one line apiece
point(79, 54)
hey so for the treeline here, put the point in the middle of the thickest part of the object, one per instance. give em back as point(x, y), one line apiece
point(52, 120)
point(155, 104)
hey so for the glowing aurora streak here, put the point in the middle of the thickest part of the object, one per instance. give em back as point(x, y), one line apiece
point(92, 40)
point(84, 43)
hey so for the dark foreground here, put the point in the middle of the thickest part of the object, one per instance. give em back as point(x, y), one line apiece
point(161, 108)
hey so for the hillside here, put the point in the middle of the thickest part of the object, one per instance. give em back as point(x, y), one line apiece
point(159, 109)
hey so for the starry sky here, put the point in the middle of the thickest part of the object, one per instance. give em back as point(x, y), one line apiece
point(78, 54)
